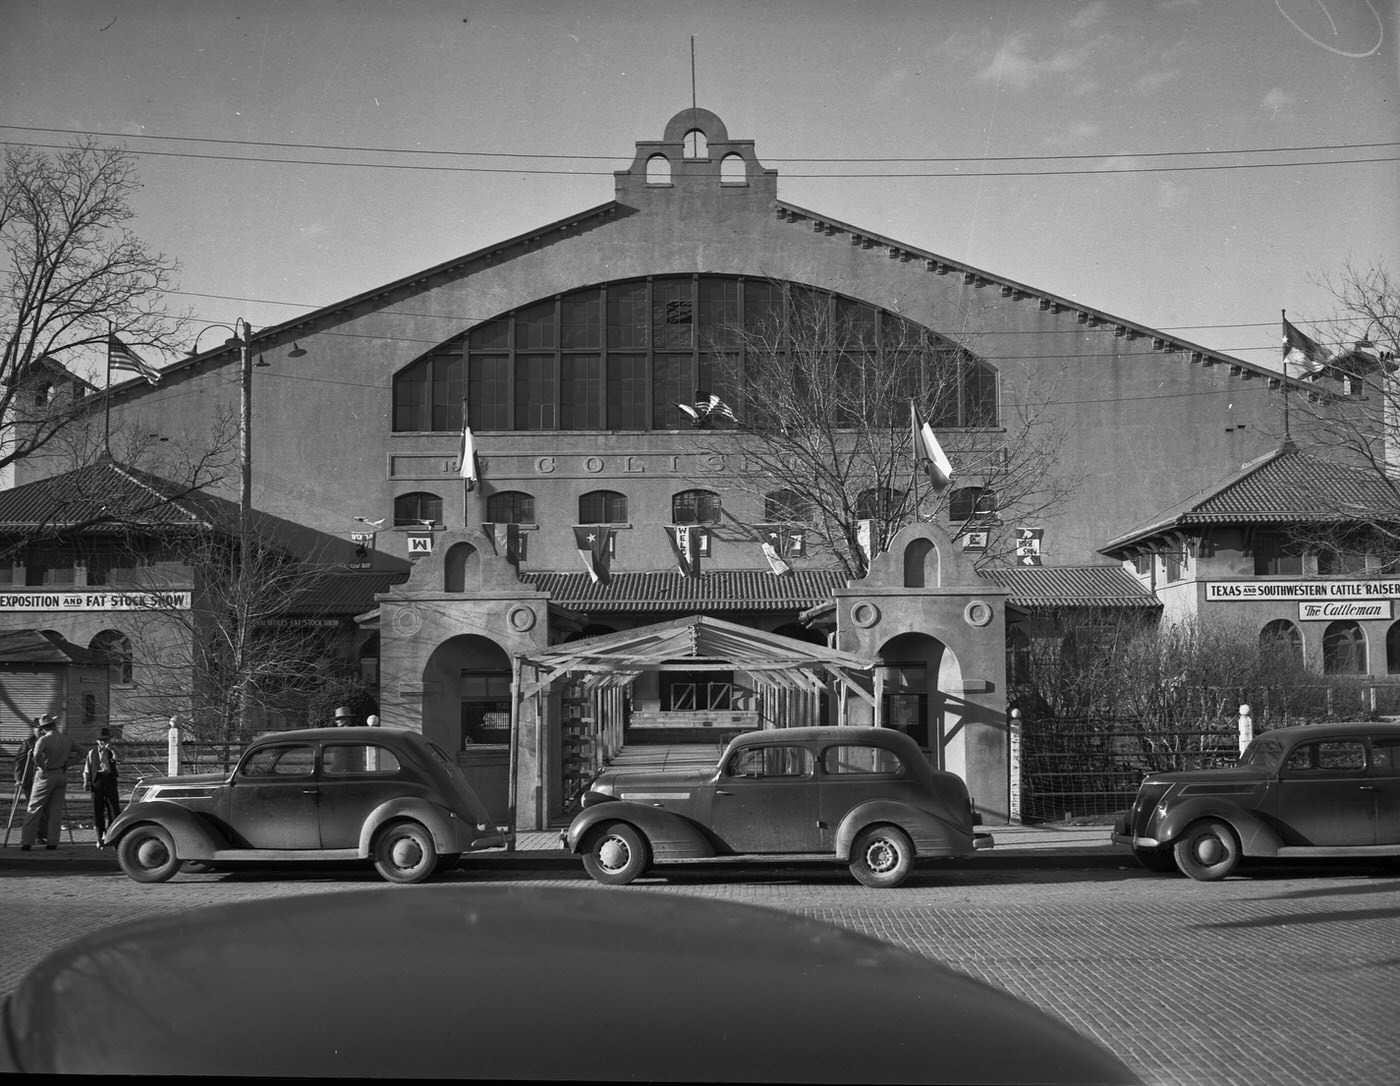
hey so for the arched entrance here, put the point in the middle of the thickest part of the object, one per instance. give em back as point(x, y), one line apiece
point(466, 693)
point(916, 675)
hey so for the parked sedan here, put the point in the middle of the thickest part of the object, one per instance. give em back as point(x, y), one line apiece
point(1299, 792)
point(378, 794)
point(522, 983)
point(866, 797)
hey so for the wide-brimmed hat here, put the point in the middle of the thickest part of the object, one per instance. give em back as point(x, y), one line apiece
point(48, 720)
point(344, 713)
point(104, 733)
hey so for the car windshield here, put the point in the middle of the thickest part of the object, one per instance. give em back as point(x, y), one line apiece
point(1264, 753)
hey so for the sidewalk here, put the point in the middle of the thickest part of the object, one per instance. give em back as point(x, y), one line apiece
point(541, 845)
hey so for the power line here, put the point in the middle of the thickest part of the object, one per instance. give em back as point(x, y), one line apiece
point(563, 157)
point(970, 174)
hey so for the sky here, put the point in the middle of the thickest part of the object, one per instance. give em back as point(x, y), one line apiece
point(1195, 166)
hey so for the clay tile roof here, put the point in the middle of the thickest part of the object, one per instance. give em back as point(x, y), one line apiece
point(1071, 586)
point(1285, 487)
point(712, 592)
point(106, 496)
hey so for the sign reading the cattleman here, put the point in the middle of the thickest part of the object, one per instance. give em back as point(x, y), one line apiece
point(1319, 612)
point(1312, 591)
point(84, 600)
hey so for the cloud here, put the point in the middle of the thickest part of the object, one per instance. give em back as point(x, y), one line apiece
point(1015, 64)
point(1011, 65)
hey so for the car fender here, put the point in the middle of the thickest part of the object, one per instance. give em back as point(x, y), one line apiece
point(450, 833)
point(670, 836)
point(1257, 837)
point(931, 836)
point(194, 836)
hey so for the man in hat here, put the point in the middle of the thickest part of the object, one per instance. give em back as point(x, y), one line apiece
point(52, 753)
point(100, 778)
point(344, 717)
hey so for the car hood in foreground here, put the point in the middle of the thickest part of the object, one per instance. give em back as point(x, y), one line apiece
point(522, 983)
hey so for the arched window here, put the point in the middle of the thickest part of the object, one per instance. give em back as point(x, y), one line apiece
point(921, 564)
point(968, 502)
point(1392, 649)
point(114, 647)
point(602, 507)
point(732, 170)
point(419, 509)
point(786, 507)
point(511, 507)
point(878, 503)
point(622, 355)
point(1283, 638)
point(456, 567)
point(1343, 649)
point(695, 507)
point(658, 170)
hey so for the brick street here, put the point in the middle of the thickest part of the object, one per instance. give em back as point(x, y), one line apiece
point(1289, 975)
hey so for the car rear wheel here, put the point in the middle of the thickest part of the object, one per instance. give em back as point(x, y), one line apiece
point(404, 852)
point(616, 854)
point(881, 857)
point(1208, 850)
point(147, 853)
point(1160, 860)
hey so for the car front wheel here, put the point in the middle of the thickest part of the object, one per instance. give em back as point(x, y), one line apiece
point(881, 857)
point(147, 853)
point(616, 855)
point(1208, 850)
point(404, 852)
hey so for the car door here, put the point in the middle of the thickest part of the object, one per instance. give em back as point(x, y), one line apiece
point(272, 801)
point(355, 779)
point(1385, 776)
point(1326, 795)
point(856, 773)
point(765, 800)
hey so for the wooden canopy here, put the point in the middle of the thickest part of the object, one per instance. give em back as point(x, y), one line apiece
point(697, 643)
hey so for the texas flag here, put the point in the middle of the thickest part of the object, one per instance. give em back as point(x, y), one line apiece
point(928, 454)
point(1313, 352)
point(594, 542)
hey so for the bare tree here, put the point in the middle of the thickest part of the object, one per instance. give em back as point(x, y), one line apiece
point(73, 273)
point(244, 655)
point(821, 388)
point(1353, 416)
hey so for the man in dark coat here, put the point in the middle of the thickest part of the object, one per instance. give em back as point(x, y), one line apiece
point(52, 753)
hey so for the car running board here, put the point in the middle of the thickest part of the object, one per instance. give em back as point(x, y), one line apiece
point(230, 855)
point(1286, 851)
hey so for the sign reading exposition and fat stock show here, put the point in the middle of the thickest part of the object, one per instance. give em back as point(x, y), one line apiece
point(1317, 600)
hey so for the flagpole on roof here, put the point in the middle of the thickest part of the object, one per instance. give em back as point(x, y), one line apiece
point(1286, 436)
point(107, 397)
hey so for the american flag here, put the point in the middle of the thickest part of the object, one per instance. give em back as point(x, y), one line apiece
point(122, 357)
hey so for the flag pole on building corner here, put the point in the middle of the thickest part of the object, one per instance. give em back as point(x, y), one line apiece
point(1283, 313)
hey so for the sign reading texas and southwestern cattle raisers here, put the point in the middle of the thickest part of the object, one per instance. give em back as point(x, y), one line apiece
point(1317, 600)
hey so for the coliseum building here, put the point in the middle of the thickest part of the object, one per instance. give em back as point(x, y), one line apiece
point(486, 616)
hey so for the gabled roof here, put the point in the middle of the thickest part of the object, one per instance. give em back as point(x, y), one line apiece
point(1034, 587)
point(771, 659)
point(713, 591)
point(107, 496)
point(1287, 486)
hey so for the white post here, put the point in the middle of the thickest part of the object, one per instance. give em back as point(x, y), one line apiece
point(1246, 727)
point(172, 756)
point(1014, 746)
